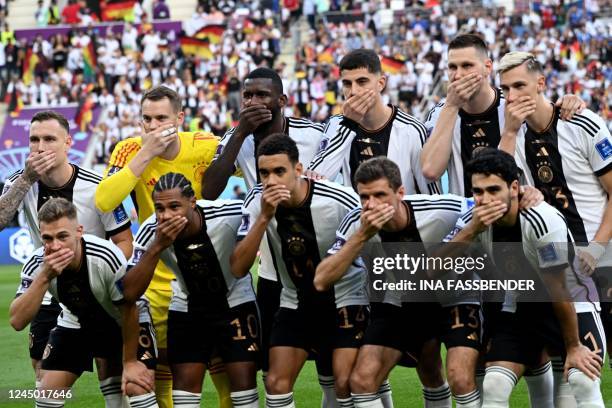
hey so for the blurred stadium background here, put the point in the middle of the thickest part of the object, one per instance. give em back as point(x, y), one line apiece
point(92, 60)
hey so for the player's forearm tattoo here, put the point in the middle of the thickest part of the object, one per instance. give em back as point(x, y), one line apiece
point(9, 202)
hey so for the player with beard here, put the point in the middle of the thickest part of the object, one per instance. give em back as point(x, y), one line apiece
point(471, 116)
point(135, 166)
point(47, 174)
point(210, 309)
point(570, 162)
point(85, 274)
point(263, 102)
point(299, 216)
point(524, 329)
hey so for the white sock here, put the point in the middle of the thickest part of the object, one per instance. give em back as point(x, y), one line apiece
point(585, 390)
point(385, 394)
point(498, 385)
point(371, 400)
point(280, 400)
point(540, 383)
point(439, 397)
point(143, 401)
point(185, 399)
point(49, 403)
point(469, 400)
point(562, 392)
point(345, 402)
point(245, 399)
point(111, 389)
point(329, 392)
point(480, 375)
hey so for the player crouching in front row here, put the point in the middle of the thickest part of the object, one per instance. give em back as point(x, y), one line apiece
point(210, 310)
point(85, 274)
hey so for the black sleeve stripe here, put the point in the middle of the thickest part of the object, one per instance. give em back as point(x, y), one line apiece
point(421, 130)
point(89, 173)
point(584, 127)
point(225, 215)
point(419, 201)
point(437, 207)
point(121, 228)
point(145, 234)
point(604, 170)
point(347, 204)
point(467, 217)
point(105, 249)
point(332, 190)
point(328, 122)
point(540, 218)
point(534, 223)
point(88, 179)
point(32, 265)
point(100, 255)
point(252, 194)
point(436, 187)
point(588, 120)
point(336, 143)
point(215, 210)
point(349, 219)
point(15, 175)
point(304, 123)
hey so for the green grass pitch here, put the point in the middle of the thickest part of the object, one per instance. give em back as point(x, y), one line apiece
point(16, 372)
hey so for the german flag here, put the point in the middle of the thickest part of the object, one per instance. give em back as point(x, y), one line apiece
point(15, 102)
point(29, 65)
point(391, 65)
point(123, 10)
point(84, 112)
point(212, 33)
point(89, 60)
point(194, 46)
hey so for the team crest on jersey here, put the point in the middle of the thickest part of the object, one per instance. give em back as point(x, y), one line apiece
point(244, 225)
point(47, 351)
point(545, 174)
point(548, 253)
point(297, 246)
point(604, 148)
point(120, 214)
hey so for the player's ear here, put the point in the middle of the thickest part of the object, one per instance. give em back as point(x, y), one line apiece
point(299, 169)
point(192, 200)
point(541, 83)
point(382, 82)
point(180, 118)
point(282, 100)
point(514, 189)
point(401, 191)
point(79, 231)
point(488, 66)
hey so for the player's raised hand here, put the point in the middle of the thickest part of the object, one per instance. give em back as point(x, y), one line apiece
point(484, 215)
point(272, 196)
point(588, 257)
point(54, 262)
point(37, 164)
point(156, 141)
point(583, 359)
point(460, 90)
point(168, 229)
point(570, 105)
point(251, 117)
point(530, 197)
point(517, 112)
point(314, 175)
point(373, 218)
point(358, 105)
point(135, 372)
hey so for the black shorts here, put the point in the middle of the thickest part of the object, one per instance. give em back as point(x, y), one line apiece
point(268, 301)
point(404, 328)
point(591, 331)
point(603, 280)
point(234, 335)
point(461, 326)
point(521, 337)
point(147, 346)
point(40, 327)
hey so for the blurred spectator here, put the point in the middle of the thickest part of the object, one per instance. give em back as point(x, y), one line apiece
point(160, 10)
point(239, 194)
point(70, 13)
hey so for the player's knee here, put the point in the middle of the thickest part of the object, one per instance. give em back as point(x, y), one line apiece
point(362, 383)
point(497, 387)
point(581, 384)
point(133, 390)
point(276, 384)
point(342, 384)
point(460, 381)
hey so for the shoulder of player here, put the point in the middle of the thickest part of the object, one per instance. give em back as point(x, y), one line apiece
point(146, 231)
point(104, 251)
point(587, 122)
point(543, 219)
point(220, 208)
point(426, 202)
point(434, 111)
point(125, 150)
point(88, 176)
point(14, 176)
point(351, 219)
point(33, 262)
point(253, 193)
point(200, 137)
point(300, 123)
point(345, 196)
point(404, 120)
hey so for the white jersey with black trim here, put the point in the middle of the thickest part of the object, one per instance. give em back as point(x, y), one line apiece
point(222, 219)
point(401, 139)
point(80, 190)
point(300, 237)
point(105, 265)
point(545, 239)
point(432, 216)
point(307, 136)
point(471, 133)
point(565, 161)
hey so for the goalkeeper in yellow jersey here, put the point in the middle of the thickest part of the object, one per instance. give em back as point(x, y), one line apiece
point(135, 166)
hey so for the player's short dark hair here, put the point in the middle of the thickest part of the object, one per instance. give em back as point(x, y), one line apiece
point(55, 209)
point(361, 58)
point(279, 143)
point(378, 168)
point(43, 116)
point(267, 73)
point(467, 41)
point(160, 92)
point(170, 181)
point(491, 161)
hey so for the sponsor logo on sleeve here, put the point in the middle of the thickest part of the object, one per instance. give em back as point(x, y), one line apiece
point(120, 214)
point(136, 256)
point(338, 244)
point(604, 148)
point(244, 225)
point(548, 253)
point(25, 283)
